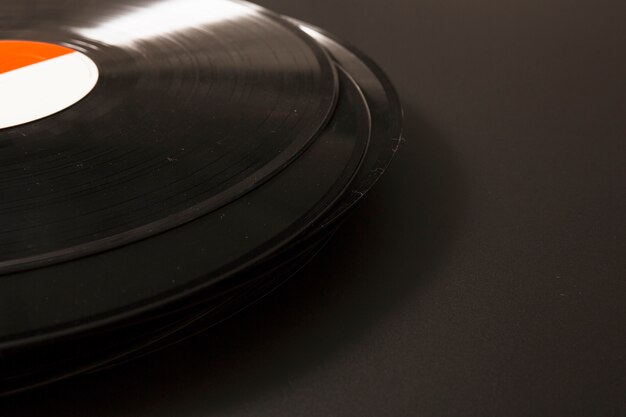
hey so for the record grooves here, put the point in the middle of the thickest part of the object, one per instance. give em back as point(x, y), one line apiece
point(206, 159)
point(183, 167)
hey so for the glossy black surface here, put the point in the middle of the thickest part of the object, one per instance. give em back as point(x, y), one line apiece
point(94, 291)
point(196, 104)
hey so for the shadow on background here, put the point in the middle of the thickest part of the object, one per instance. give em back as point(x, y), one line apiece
point(365, 272)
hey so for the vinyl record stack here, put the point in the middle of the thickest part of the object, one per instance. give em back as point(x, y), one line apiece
point(164, 164)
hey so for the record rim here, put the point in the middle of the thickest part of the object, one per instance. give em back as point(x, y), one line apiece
point(394, 135)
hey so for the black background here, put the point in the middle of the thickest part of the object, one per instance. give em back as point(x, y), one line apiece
point(485, 274)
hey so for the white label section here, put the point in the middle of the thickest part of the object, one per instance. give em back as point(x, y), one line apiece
point(42, 89)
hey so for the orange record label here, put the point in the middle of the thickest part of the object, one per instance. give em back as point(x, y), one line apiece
point(18, 54)
point(40, 79)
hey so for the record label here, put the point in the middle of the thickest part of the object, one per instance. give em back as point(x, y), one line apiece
point(39, 79)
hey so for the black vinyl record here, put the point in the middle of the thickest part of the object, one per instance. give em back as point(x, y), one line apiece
point(186, 116)
point(184, 119)
point(187, 157)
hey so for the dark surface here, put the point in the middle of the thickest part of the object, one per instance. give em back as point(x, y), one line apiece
point(483, 276)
